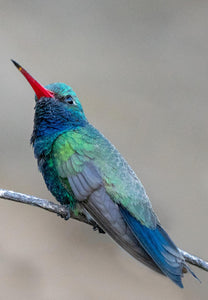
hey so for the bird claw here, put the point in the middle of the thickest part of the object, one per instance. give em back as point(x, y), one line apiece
point(97, 227)
point(67, 216)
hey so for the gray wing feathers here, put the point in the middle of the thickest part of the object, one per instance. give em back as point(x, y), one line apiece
point(85, 182)
point(87, 185)
point(106, 213)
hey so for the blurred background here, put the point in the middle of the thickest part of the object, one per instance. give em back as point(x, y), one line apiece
point(140, 69)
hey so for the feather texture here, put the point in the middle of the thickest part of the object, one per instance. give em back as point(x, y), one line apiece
point(159, 246)
point(83, 169)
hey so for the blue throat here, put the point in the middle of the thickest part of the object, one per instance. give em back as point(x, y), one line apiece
point(52, 119)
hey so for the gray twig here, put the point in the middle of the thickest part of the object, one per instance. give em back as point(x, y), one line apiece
point(63, 211)
point(194, 260)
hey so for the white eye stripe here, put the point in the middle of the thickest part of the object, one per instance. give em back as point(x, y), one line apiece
point(67, 99)
point(70, 101)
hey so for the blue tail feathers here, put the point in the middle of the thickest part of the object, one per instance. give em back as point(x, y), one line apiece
point(159, 246)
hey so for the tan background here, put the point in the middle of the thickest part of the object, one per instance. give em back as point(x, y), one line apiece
point(140, 69)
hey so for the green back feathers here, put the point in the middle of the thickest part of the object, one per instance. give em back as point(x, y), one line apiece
point(73, 149)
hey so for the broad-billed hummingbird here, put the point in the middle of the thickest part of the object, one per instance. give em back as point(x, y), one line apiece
point(82, 169)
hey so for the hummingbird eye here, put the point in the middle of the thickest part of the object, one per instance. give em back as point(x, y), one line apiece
point(69, 100)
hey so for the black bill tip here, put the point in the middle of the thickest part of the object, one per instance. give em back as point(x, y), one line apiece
point(16, 64)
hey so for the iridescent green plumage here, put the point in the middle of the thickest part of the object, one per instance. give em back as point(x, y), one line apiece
point(83, 169)
point(73, 149)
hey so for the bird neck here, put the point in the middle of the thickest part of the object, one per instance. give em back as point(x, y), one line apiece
point(50, 121)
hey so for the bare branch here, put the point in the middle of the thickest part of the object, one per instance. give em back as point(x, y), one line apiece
point(63, 211)
point(194, 260)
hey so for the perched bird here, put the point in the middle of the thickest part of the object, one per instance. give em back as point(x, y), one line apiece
point(82, 169)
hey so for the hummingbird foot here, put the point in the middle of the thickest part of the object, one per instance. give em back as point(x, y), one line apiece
point(97, 227)
point(67, 215)
point(91, 221)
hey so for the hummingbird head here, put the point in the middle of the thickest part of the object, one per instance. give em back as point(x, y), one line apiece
point(57, 110)
point(57, 107)
point(65, 97)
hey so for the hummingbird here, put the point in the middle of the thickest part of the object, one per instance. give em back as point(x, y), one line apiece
point(84, 170)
